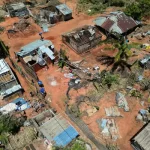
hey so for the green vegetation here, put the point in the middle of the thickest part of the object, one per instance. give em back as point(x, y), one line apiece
point(62, 59)
point(4, 50)
point(109, 79)
point(77, 145)
point(138, 9)
point(9, 124)
point(2, 19)
point(120, 60)
point(91, 6)
point(136, 94)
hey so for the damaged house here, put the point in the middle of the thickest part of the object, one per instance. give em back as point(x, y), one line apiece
point(82, 39)
point(141, 141)
point(116, 23)
point(55, 12)
point(56, 129)
point(36, 55)
point(17, 9)
point(8, 82)
point(145, 62)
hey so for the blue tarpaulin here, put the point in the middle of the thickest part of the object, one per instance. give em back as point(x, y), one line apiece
point(65, 137)
point(21, 103)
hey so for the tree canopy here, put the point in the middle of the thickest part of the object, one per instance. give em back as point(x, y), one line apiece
point(138, 9)
point(9, 124)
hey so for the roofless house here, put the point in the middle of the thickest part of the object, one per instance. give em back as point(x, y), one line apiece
point(56, 129)
point(36, 55)
point(82, 39)
point(141, 141)
point(9, 85)
point(17, 9)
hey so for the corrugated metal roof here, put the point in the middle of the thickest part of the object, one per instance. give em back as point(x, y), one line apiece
point(64, 9)
point(107, 24)
point(33, 46)
point(117, 22)
point(99, 21)
point(65, 137)
point(125, 23)
point(143, 138)
point(3, 66)
point(16, 6)
point(58, 130)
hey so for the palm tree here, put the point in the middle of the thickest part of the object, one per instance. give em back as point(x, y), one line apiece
point(120, 60)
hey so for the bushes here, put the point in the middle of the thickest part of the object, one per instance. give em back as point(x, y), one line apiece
point(2, 19)
point(118, 3)
point(138, 9)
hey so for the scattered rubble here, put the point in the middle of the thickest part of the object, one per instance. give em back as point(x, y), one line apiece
point(121, 101)
point(113, 112)
point(109, 128)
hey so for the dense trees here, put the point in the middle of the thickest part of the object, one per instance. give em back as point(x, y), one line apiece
point(9, 124)
point(138, 9)
point(135, 8)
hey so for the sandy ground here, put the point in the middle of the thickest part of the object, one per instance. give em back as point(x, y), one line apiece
point(127, 125)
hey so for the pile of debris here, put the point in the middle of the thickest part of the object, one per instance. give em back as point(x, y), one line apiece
point(121, 101)
point(21, 28)
point(109, 128)
point(143, 115)
point(113, 112)
point(142, 32)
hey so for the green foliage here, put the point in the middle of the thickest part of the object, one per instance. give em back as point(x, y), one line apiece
point(2, 19)
point(134, 11)
point(138, 9)
point(3, 139)
point(75, 146)
point(62, 58)
point(109, 79)
point(9, 124)
point(4, 50)
point(78, 146)
point(91, 6)
point(135, 93)
point(119, 3)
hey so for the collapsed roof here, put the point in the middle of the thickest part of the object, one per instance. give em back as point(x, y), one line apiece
point(116, 22)
point(17, 9)
point(83, 35)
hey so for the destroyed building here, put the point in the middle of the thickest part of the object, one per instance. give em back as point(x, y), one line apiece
point(141, 140)
point(82, 39)
point(8, 82)
point(56, 129)
point(145, 62)
point(55, 12)
point(116, 22)
point(36, 55)
point(17, 9)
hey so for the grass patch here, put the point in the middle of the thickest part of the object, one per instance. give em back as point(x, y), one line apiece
point(134, 45)
point(2, 19)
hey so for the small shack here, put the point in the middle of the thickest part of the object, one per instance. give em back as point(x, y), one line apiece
point(36, 55)
point(65, 11)
point(116, 22)
point(56, 129)
point(17, 9)
point(9, 85)
point(141, 140)
point(82, 39)
point(55, 12)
